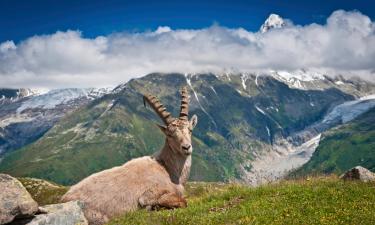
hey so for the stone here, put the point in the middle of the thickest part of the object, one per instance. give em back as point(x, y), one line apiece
point(358, 173)
point(69, 213)
point(15, 201)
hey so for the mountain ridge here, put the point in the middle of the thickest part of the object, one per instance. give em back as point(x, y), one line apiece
point(25, 114)
point(241, 117)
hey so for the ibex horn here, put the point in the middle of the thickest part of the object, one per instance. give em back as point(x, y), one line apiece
point(158, 108)
point(184, 104)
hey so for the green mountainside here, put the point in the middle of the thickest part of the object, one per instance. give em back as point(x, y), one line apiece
point(236, 119)
point(344, 147)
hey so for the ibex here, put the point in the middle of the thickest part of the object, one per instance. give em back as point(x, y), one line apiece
point(146, 182)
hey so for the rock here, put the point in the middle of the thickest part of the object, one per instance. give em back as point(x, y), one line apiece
point(358, 173)
point(43, 192)
point(69, 213)
point(15, 201)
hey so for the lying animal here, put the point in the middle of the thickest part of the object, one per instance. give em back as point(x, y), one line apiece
point(146, 182)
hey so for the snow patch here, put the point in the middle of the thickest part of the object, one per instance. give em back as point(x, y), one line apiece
point(260, 110)
point(268, 131)
point(339, 82)
point(228, 76)
point(243, 80)
point(213, 89)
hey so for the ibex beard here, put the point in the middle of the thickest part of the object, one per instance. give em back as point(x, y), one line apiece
point(148, 182)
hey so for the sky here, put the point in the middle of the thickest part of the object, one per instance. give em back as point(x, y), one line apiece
point(55, 44)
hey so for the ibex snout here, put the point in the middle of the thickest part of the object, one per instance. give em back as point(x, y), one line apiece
point(187, 149)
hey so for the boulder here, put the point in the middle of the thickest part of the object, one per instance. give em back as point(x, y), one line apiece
point(15, 201)
point(358, 173)
point(69, 213)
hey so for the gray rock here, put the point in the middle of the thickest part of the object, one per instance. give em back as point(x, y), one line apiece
point(15, 201)
point(358, 173)
point(69, 213)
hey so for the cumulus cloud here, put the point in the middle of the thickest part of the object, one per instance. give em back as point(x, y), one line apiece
point(345, 44)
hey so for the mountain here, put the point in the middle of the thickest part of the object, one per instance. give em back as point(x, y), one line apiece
point(344, 147)
point(297, 149)
point(273, 21)
point(26, 114)
point(242, 119)
point(15, 94)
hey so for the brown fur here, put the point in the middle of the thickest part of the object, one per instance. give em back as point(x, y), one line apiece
point(146, 182)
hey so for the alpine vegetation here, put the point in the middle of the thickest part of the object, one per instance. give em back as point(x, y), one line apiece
point(149, 182)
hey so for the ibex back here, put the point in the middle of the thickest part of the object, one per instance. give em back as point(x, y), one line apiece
point(146, 182)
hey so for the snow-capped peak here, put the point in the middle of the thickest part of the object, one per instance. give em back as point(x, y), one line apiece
point(298, 78)
point(273, 21)
point(302, 75)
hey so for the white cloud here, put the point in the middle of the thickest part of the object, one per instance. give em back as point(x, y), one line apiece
point(345, 44)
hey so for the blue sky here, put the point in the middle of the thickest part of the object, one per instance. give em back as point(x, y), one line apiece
point(59, 44)
point(21, 19)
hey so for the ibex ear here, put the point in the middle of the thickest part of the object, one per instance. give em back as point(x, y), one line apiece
point(162, 128)
point(193, 121)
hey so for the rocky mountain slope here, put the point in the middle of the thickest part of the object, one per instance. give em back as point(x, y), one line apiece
point(242, 118)
point(344, 147)
point(26, 114)
point(297, 149)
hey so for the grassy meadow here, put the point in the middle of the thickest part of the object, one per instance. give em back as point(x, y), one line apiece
point(317, 200)
point(325, 200)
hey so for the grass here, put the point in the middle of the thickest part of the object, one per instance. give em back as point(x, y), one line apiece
point(319, 200)
point(311, 201)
